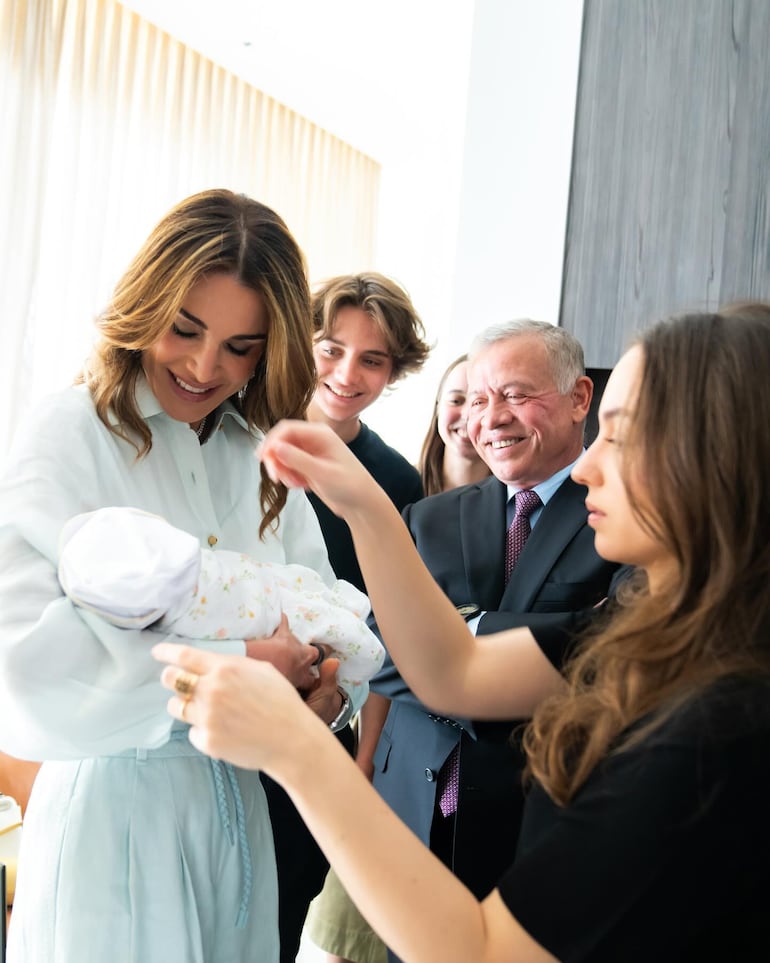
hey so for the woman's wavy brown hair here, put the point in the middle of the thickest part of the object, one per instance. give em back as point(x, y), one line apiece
point(213, 232)
point(700, 438)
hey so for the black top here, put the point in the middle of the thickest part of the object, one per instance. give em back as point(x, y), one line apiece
point(393, 473)
point(664, 854)
point(557, 634)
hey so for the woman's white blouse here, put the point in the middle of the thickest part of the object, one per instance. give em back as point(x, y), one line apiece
point(71, 684)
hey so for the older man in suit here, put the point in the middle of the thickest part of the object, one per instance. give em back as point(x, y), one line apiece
point(504, 559)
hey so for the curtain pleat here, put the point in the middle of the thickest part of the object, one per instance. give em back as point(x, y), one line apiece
point(106, 122)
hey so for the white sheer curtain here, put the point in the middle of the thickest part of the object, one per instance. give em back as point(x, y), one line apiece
point(105, 122)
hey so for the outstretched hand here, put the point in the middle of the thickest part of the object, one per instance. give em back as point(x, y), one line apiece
point(241, 710)
point(304, 455)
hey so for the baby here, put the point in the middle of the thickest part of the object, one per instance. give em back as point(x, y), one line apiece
point(138, 571)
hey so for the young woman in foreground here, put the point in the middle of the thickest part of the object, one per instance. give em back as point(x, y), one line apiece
point(646, 834)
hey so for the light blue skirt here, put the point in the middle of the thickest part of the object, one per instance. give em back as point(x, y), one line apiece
point(152, 856)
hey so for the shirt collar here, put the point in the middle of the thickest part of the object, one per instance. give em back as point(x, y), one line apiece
point(149, 406)
point(146, 401)
point(548, 488)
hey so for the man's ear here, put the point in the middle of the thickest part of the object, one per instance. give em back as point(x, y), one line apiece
point(582, 394)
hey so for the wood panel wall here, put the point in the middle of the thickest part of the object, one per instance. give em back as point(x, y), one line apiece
point(669, 204)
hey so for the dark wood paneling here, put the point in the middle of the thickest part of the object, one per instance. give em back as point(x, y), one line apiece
point(599, 376)
point(668, 205)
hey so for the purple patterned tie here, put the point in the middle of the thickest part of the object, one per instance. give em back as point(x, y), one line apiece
point(449, 783)
point(518, 532)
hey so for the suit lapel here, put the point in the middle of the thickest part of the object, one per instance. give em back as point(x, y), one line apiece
point(562, 518)
point(482, 534)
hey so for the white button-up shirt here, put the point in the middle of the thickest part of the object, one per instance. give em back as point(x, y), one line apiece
point(72, 685)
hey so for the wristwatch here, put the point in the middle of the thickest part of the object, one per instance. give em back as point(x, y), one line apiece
point(469, 610)
point(343, 716)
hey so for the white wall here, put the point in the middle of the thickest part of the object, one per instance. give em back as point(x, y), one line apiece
point(518, 152)
point(507, 220)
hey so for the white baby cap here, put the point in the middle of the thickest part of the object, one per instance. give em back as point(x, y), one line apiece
point(127, 565)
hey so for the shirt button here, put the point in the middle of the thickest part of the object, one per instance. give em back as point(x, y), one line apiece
point(430, 775)
point(212, 540)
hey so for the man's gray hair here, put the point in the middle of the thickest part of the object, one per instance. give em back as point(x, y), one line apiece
point(565, 353)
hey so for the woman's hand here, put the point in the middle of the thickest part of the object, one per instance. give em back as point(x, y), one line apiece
point(304, 455)
point(325, 698)
point(241, 710)
point(298, 662)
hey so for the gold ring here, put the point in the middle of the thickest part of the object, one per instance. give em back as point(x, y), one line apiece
point(185, 684)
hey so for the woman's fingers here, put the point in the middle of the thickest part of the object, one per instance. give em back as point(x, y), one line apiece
point(323, 650)
point(181, 709)
point(300, 453)
point(240, 710)
point(284, 452)
point(184, 656)
point(311, 456)
point(283, 462)
point(280, 472)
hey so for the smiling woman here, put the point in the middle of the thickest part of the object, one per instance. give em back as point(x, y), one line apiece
point(183, 343)
point(198, 364)
point(448, 458)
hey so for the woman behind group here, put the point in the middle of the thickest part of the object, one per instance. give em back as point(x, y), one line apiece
point(646, 832)
point(448, 458)
point(135, 846)
point(367, 336)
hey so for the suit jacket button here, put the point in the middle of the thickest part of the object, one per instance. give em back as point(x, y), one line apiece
point(430, 775)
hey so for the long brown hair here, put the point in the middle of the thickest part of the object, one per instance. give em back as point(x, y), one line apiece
point(700, 439)
point(212, 232)
point(431, 460)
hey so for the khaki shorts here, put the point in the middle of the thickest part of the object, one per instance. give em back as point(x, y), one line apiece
point(335, 925)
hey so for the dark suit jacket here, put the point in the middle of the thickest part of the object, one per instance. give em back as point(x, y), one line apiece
point(460, 535)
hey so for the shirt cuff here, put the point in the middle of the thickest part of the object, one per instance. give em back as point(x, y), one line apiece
point(473, 624)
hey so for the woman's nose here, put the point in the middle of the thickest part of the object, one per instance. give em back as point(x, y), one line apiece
point(583, 470)
point(205, 362)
